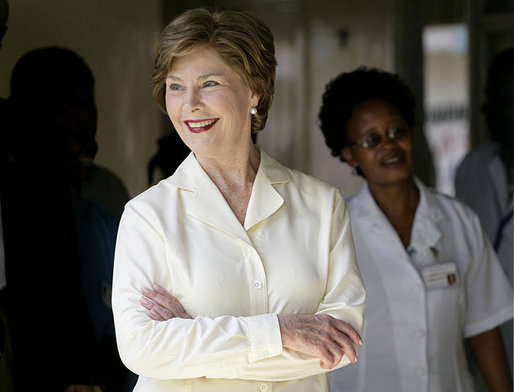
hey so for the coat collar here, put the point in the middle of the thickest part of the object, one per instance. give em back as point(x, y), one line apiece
point(209, 205)
point(425, 231)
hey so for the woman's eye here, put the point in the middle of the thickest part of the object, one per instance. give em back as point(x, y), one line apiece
point(372, 139)
point(210, 83)
point(397, 132)
point(174, 87)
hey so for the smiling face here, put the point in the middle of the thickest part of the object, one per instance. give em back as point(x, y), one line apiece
point(390, 161)
point(209, 104)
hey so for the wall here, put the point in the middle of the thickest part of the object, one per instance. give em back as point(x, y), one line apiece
point(310, 52)
point(116, 39)
point(367, 40)
point(446, 99)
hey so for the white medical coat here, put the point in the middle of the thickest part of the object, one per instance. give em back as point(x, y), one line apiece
point(413, 335)
point(295, 254)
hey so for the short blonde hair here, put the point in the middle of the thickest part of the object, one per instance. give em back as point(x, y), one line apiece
point(240, 38)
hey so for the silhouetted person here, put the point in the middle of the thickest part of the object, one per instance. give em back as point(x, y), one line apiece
point(6, 377)
point(170, 154)
point(57, 243)
point(484, 179)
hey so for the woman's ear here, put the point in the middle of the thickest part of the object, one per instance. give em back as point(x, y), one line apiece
point(347, 154)
point(254, 99)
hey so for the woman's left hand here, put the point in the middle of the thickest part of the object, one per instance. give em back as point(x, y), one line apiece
point(162, 305)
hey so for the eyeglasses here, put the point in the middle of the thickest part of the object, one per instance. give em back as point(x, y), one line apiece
point(371, 140)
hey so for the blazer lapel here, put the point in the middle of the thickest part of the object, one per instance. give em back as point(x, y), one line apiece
point(264, 201)
point(209, 206)
point(206, 204)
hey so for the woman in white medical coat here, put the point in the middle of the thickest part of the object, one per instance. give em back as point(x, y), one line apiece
point(432, 278)
point(235, 273)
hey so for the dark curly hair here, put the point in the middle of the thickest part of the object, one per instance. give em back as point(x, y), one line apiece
point(343, 93)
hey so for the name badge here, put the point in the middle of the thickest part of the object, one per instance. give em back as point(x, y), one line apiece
point(440, 275)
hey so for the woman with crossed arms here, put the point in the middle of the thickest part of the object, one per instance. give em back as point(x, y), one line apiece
point(235, 273)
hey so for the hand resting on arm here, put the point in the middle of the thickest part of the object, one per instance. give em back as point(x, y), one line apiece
point(162, 305)
point(321, 336)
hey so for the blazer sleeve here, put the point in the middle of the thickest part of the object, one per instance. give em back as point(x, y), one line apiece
point(226, 346)
point(344, 299)
point(345, 296)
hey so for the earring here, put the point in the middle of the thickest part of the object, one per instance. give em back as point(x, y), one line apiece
point(354, 171)
point(253, 110)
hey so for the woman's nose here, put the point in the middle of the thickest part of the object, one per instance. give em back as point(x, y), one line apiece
point(193, 99)
point(387, 141)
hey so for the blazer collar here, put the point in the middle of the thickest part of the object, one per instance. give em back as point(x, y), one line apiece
point(265, 199)
point(209, 205)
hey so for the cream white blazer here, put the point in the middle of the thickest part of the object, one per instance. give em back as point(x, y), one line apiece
point(294, 254)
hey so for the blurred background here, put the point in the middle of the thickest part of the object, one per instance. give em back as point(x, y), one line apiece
point(440, 47)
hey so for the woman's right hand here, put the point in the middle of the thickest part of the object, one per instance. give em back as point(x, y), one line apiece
point(162, 305)
point(321, 336)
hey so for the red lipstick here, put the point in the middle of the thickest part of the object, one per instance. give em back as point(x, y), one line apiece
point(197, 126)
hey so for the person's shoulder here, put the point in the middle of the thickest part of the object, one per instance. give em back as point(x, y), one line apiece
point(104, 177)
point(477, 158)
point(103, 172)
point(487, 150)
point(310, 180)
point(154, 205)
point(444, 198)
point(314, 187)
point(155, 193)
point(306, 183)
point(360, 200)
point(452, 207)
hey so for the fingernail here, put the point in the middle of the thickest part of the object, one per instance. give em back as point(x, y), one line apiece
point(146, 290)
point(157, 287)
point(356, 359)
point(144, 300)
point(360, 342)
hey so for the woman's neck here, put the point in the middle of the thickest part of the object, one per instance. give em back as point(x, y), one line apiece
point(398, 202)
point(234, 176)
point(238, 169)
